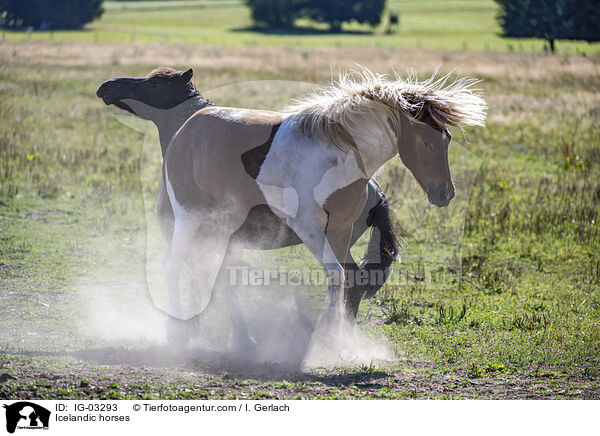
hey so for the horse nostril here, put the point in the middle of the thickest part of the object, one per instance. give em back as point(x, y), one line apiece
point(449, 191)
point(446, 194)
point(451, 194)
point(100, 90)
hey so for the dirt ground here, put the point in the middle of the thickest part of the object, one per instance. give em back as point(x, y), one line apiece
point(129, 374)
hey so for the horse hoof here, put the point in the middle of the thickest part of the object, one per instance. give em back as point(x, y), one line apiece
point(177, 333)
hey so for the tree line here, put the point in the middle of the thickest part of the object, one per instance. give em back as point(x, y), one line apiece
point(547, 19)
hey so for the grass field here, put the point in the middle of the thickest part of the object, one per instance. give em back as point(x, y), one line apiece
point(519, 319)
point(432, 24)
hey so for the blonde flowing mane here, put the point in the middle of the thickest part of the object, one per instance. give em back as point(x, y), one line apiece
point(363, 95)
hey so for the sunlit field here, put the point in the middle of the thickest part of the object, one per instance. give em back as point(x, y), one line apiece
point(432, 24)
point(497, 296)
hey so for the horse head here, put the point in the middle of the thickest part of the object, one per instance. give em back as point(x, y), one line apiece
point(163, 88)
point(423, 149)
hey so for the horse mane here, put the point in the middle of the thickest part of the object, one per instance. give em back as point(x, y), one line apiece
point(358, 95)
point(164, 72)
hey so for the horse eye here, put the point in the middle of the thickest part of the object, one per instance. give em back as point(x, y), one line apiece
point(428, 145)
point(153, 81)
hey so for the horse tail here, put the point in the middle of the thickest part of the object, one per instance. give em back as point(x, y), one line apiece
point(383, 247)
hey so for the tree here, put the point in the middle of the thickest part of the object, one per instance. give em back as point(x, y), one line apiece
point(550, 19)
point(49, 14)
point(277, 13)
point(335, 12)
point(274, 13)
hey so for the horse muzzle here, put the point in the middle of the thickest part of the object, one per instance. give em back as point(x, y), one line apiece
point(107, 92)
point(442, 196)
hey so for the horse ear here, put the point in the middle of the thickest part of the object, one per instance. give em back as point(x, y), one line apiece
point(187, 76)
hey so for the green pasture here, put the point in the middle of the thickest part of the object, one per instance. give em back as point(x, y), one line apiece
point(497, 296)
point(429, 24)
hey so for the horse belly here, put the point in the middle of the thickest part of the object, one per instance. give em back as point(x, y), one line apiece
point(264, 230)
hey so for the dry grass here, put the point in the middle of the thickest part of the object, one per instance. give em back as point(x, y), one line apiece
point(316, 63)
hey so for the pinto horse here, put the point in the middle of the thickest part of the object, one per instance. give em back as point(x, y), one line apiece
point(311, 166)
point(168, 98)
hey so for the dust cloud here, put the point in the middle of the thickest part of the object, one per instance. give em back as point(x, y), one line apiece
point(120, 317)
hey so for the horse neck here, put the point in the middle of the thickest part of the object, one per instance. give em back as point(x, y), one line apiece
point(375, 147)
point(169, 121)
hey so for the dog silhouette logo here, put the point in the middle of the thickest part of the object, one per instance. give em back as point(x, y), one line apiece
point(26, 415)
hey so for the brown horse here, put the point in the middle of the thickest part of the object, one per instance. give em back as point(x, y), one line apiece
point(310, 166)
point(168, 98)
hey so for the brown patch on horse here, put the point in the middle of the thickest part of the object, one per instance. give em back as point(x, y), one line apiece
point(343, 213)
point(254, 158)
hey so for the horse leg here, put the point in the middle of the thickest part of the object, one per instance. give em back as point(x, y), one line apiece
point(340, 242)
point(241, 340)
point(354, 292)
point(309, 225)
point(183, 232)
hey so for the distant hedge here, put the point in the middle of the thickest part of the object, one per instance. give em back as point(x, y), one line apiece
point(283, 13)
point(49, 14)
